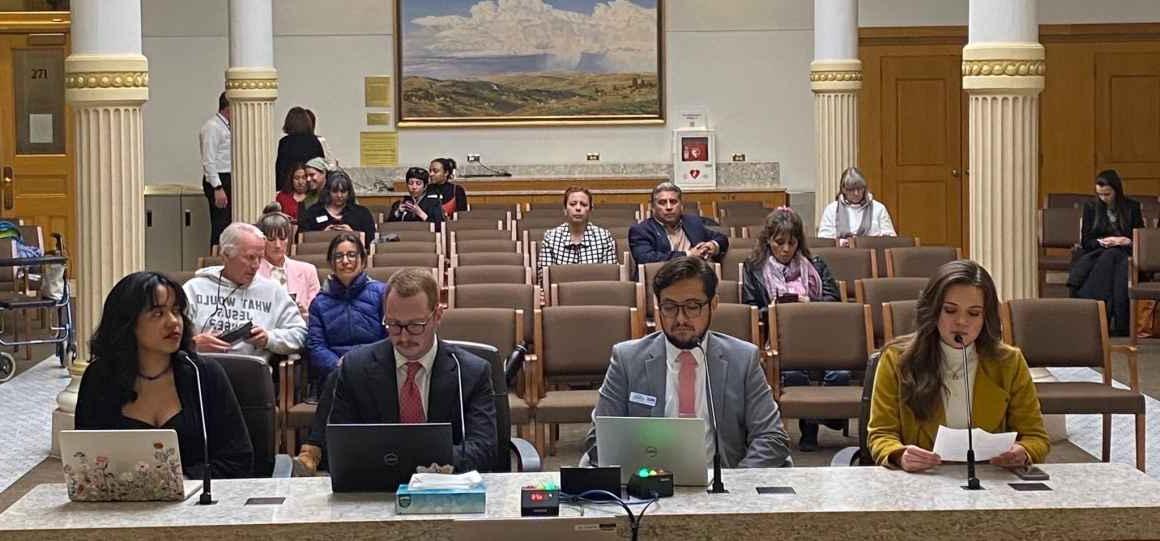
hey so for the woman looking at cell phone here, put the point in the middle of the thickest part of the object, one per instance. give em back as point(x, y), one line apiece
point(781, 269)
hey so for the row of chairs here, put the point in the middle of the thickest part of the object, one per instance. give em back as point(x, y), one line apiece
point(722, 210)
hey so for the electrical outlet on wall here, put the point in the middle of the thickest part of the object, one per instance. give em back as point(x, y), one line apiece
point(593, 156)
point(473, 158)
point(738, 157)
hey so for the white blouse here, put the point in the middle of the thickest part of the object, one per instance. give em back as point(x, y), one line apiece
point(880, 223)
point(955, 391)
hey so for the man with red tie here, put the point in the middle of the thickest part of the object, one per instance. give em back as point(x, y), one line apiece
point(413, 377)
point(664, 374)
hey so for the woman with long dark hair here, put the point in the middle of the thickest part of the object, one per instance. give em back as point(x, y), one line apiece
point(294, 191)
point(338, 209)
point(922, 380)
point(1100, 268)
point(137, 380)
point(299, 144)
point(781, 269)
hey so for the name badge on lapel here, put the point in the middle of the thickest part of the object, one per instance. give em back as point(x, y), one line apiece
point(642, 399)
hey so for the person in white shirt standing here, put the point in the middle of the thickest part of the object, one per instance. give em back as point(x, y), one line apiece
point(855, 212)
point(214, 141)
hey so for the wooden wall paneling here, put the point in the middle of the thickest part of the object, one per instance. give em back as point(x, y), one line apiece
point(1067, 120)
point(1127, 111)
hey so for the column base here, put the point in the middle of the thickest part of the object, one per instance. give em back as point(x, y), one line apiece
point(61, 420)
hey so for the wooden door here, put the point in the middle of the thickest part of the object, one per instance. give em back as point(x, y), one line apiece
point(919, 126)
point(1128, 118)
point(35, 147)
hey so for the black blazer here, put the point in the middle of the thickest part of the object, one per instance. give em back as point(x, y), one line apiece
point(649, 241)
point(430, 204)
point(354, 215)
point(1096, 227)
point(753, 289)
point(366, 391)
point(232, 454)
point(299, 148)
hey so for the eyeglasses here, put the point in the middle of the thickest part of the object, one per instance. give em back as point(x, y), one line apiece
point(413, 328)
point(691, 309)
point(339, 256)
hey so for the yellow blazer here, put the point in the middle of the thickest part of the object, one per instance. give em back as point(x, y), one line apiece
point(1004, 400)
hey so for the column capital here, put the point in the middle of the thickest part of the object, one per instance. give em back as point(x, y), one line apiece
point(93, 78)
point(251, 83)
point(1008, 68)
point(836, 75)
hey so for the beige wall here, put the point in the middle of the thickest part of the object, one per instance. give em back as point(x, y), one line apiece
point(746, 61)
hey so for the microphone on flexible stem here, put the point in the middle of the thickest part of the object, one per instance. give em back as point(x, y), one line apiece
point(718, 486)
point(513, 365)
point(972, 481)
point(206, 494)
point(462, 421)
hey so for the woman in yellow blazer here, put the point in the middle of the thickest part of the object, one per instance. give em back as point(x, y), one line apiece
point(919, 382)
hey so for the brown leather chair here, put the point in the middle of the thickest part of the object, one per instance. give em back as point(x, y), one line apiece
point(819, 336)
point(484, 213)
point(582, 272)
point(624, 253)
point(848, 265)
point(473, 224)
point(488, 258)
point(404, 247)
point(1074, 332)
point(422, 235)
point(736, 222)
point(502, 328)
point(489, 274)
point(608, 293)
point(383, 274)
point(202, 262)
point(898, 319)
point(181, 277)
point(1145, 259)
point(918, 261)
point(644, 275)
point(473, 246)
point(481, 234)
point(309, 248)
point(540, 221)
point(1066, 200)
point(876, 291)
point(618, 231)
point(570, 365)
point(739, 321)
point(1059, 232)
point(819, 242)
point(407, 259)
point(731, 264)
point(394, 227)
point(518, 296)
point(324, 236)
point(729, 291)
point(880, 244)
point(318, 260)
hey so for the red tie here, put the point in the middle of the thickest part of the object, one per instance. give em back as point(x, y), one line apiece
point(687, 385)
point(410, 400)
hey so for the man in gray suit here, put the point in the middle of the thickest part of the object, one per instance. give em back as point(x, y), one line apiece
point(663, 374)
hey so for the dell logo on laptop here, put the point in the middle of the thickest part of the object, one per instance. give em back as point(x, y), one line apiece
point(391, 459)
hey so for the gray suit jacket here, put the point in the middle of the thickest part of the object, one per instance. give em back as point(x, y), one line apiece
point(749, 422)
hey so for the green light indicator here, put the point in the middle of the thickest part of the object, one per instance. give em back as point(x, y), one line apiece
point(642, 473)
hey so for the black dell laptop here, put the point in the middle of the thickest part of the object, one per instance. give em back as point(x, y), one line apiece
point(380, 457)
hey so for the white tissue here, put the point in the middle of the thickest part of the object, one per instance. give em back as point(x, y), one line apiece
point(429, 481)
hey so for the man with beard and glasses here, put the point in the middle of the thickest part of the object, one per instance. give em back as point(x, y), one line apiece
point(664, 374)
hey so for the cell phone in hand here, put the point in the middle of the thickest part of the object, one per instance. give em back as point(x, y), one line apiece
point(237, 334)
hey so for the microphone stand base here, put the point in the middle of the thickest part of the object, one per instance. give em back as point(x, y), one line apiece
point(206, 499)
point(716, 490)
point(972, 484)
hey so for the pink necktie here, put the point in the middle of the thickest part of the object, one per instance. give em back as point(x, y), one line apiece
point(410, 401)
point(687, 385)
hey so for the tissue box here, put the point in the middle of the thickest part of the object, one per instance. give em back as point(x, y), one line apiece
point(440, 501)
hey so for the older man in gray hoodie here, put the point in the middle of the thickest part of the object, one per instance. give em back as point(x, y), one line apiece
point(227, 297)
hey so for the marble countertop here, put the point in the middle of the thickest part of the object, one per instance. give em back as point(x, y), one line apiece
point(1086, 501)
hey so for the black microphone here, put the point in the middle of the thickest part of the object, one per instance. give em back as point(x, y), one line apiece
point(462, 420)
point(206, 494)
point(972, 481)
point(718, 486)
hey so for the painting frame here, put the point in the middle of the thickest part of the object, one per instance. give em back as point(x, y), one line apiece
point(404, 119)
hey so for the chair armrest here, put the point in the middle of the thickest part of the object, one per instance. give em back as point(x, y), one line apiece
point(773, 373)
point(847, 456)
point(532, 379)
point(283, 467)
point(527, 459)
point(1133, 365)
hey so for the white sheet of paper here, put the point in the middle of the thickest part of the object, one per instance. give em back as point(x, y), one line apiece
point(40, 128)
point(950, 444)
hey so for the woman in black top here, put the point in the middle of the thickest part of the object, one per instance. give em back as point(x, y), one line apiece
point(454, 197)
point(136, 380)
point(421, 205)
point(1100, 267)
point(782, 270)
point(338, 209)
point(299, 145)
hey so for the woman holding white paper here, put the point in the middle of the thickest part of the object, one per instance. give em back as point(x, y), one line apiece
point(922, 383)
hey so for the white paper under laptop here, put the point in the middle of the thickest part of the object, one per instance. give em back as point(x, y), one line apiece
point(671, 443)
point(950, 444)
point(123, 466)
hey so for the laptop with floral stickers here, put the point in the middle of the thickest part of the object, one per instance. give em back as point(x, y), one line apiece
point(123, 466)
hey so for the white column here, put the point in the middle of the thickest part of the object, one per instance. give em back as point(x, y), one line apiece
point(835, 78)
point(106, 82)
point(252, 87)
point(1003, 68)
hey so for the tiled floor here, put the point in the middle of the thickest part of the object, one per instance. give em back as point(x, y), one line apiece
point(26, 405)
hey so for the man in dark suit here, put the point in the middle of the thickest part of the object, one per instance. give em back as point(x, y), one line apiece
point(670, 233)
point(412, 377)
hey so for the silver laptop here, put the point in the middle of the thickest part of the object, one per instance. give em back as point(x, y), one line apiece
point(123, 466)
point(674, 444)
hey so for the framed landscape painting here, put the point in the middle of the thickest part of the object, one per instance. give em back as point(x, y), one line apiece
point(529, 62)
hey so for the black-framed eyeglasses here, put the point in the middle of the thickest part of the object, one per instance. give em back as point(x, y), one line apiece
point(691, 309)
point(413, 328)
